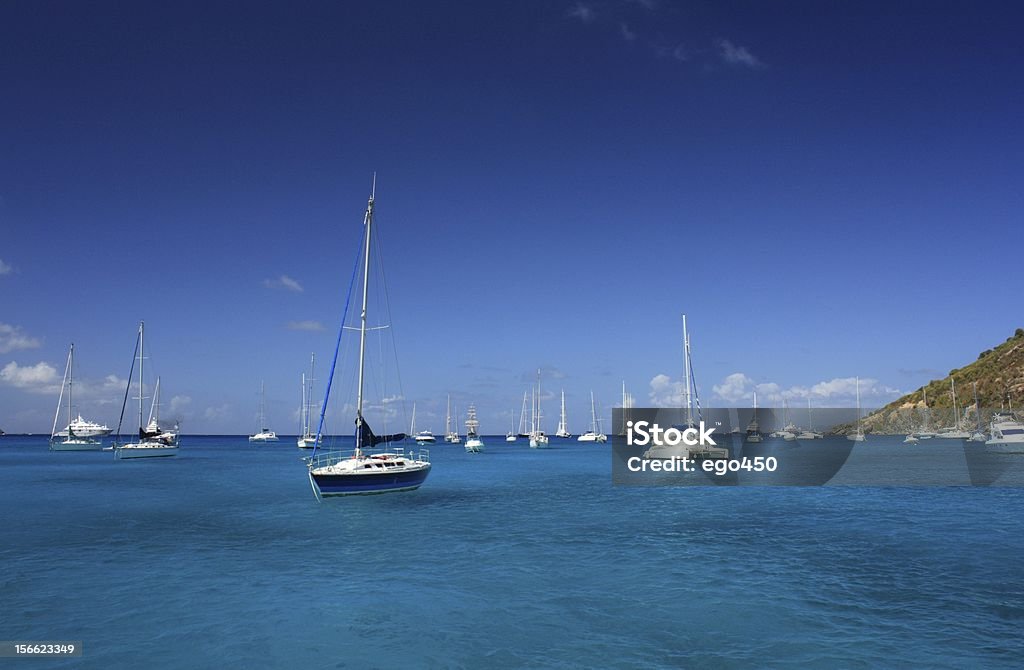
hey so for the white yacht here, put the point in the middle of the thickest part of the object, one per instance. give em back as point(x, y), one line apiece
point(1006, 433)
point(423, 436)
point(82, 428)
point(511, 436)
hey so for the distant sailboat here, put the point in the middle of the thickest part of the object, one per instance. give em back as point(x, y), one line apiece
point(563, 430)
point(147, 445)
point(511, 436)
point(264, 434)
point(857, 436)
point(979, 432)
point(594, 434)
point(73, 441)
point(308, 438)
point(753, 429)
point(523, 432)
point(450, 435)
point(474, 443)
point(362, 472)
point(538, 440)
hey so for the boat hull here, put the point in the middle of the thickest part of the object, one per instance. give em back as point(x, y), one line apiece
point(76, 446)
point(354, 484)
point(138, 451)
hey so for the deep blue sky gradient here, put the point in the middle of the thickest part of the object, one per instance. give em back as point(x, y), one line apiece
point(827, 189)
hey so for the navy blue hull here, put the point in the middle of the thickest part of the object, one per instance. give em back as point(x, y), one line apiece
point(360, 484)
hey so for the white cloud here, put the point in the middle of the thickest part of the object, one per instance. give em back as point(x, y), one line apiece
point(5, 269)
point(737, 55)
point(217, 413)
point(667, 393)
point(305, 325)
point(584, 13)
point(284, 281)
point(39, 378)
point(837, 392)
point(627, 34)
point(180, 402)
point(12, 339)
point(734, 388)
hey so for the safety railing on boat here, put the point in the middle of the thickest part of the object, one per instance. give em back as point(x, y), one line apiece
point(330, 457)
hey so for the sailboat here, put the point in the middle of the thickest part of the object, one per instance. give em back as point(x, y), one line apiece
point(809, 434)
point(73, 441)
point(265, 434)
point(364, 471)
point(450, 435)
point(538, 440)
point(979, 433)
point(698, 451)
point(147, 446)
point(307, 439)
point(753, 429)
point(423, 436)
point(153, 431)
point(594, 434)
point(562, 431)
point(857, 436)
point(955, 431)
point(511, 436)
point(473, 442)
point(522, 419)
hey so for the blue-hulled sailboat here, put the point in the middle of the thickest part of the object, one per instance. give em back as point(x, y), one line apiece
point(365, 470)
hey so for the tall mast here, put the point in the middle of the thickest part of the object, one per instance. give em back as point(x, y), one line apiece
point(368, 222)
point(304, 420)
point(593, 413)
point(686, 373)
point(71, 382)
point(142, 357)
point(60, 399)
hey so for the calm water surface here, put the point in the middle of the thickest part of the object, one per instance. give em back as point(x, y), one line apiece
point(511, 558)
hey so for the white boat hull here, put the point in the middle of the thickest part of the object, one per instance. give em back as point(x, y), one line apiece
point(304, 442)
point(145, 450)
point(474, 445)
point(76, 445)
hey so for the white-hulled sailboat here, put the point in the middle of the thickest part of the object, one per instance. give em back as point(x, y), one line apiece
point(72, 440)
point(563, 430)
point(538, 440)
point(307, 439)
point(594, 434)
point(364, 471)
point(450, 436)
point(264, 434)
point(147, 446)
point(857, 436)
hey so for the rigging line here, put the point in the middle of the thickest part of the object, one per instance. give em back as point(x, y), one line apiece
point(387, 307)
point(127, 388)
point(337, 345)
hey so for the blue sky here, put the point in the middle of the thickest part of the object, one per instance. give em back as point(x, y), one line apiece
point(826, 189)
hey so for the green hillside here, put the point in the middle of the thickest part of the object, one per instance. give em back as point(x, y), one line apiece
point(998, 372)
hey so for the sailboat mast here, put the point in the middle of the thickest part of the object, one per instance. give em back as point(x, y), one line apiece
point(304, 420)
point(71, 382)
point(368, 222)
point(686, 373)
point(60, 398)
point(142, 358)
point(593, 414)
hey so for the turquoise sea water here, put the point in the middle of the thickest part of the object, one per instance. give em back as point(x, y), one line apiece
point(221, 557)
